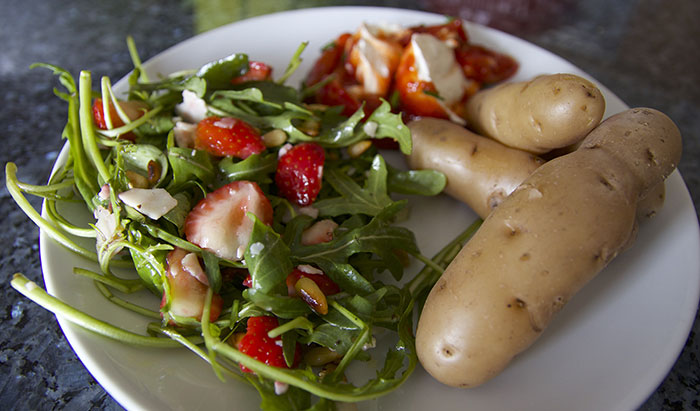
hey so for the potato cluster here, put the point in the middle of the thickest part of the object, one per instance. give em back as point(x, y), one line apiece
point(549, 226)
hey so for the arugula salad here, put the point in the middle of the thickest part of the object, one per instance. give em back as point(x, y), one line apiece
point(268, 228)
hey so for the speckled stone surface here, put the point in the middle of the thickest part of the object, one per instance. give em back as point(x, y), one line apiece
point(646, 51)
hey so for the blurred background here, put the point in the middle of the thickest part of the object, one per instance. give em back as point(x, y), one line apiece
point(646, 51)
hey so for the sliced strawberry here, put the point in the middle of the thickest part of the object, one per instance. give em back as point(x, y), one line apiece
point(132, 109)
point(299, 173)
point(327, 286)
point(187, 290)
point(257, 344)
point(226, 136)
point(219, 222)
point(257, 71)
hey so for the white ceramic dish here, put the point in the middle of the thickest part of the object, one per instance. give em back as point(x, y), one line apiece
point(607, 350)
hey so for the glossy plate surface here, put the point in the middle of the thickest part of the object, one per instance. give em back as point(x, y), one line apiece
point(607, 350)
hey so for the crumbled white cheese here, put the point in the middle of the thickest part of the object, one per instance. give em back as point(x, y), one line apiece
point(151, 202)
point(184, 134)
point(256, 248)
point(192, 109)
point(370, 128)
point(281, 388)
point(106, 226)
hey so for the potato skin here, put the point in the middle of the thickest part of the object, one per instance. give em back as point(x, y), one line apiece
point(556, 232)
point(546, 113)
point(480, 172)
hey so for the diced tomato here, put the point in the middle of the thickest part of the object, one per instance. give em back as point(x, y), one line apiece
point(485, 66)
point(330, 60)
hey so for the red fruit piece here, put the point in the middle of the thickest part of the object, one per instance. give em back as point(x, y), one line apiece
point(226, 136)
point(299, 173)
point(324, 283)
point(132, 109)
point(257, 344)
point(186, 282)
point(219, 222)
point(257, 71)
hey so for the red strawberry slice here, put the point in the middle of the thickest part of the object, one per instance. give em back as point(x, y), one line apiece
point(299, 173)
point(257, 344)
point(257, 71)
point(187, 291)
point(132, 109)
point(324, 283)
point(219, 222)
point(226, 136)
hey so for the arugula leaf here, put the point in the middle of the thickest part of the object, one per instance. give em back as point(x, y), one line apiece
point(188, 164)
point(257, 167)
point(370, 199)
point(267, 258)
point(416, 182)
point(390, 125)
point(218, 74)
point(378, 237)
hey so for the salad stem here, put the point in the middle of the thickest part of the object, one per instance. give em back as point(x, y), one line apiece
point(87, 127)
point(37, 294)
point(50, 230)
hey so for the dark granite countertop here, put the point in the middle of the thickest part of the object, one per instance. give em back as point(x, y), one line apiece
point(646, 51)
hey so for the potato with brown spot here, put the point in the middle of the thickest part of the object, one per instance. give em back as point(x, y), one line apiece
point(480, 172)
point(574, 215)
point(546, 113)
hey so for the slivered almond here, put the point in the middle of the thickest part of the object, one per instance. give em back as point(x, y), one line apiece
point(308, 290)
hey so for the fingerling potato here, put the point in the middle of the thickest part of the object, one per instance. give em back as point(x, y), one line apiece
point(480, 172)
point(550, 237)
point(546, 113)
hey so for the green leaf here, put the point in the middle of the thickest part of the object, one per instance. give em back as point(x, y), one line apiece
point(211, 267)
point(390, 125)
point(378, 237)
point(140, 158)
point(219, 73)
point(188, 164)
point(267, 258)
point(149, 260)
point(256, 168)
point(416, 182)
point(370, 199)
point(283, 307)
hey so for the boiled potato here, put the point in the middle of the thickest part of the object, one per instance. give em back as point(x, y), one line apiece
point(551, 236)
point(546, 113)
point(480, 172)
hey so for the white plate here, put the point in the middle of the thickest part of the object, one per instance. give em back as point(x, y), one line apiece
point(607, 350)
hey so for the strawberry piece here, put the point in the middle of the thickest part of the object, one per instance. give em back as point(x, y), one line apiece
point(132, 109)
point(257, 344)
point(226, 136)
point(299, 173)
point(257, 71)
point(219, 222)
point(187, 291)
point(324, 283)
